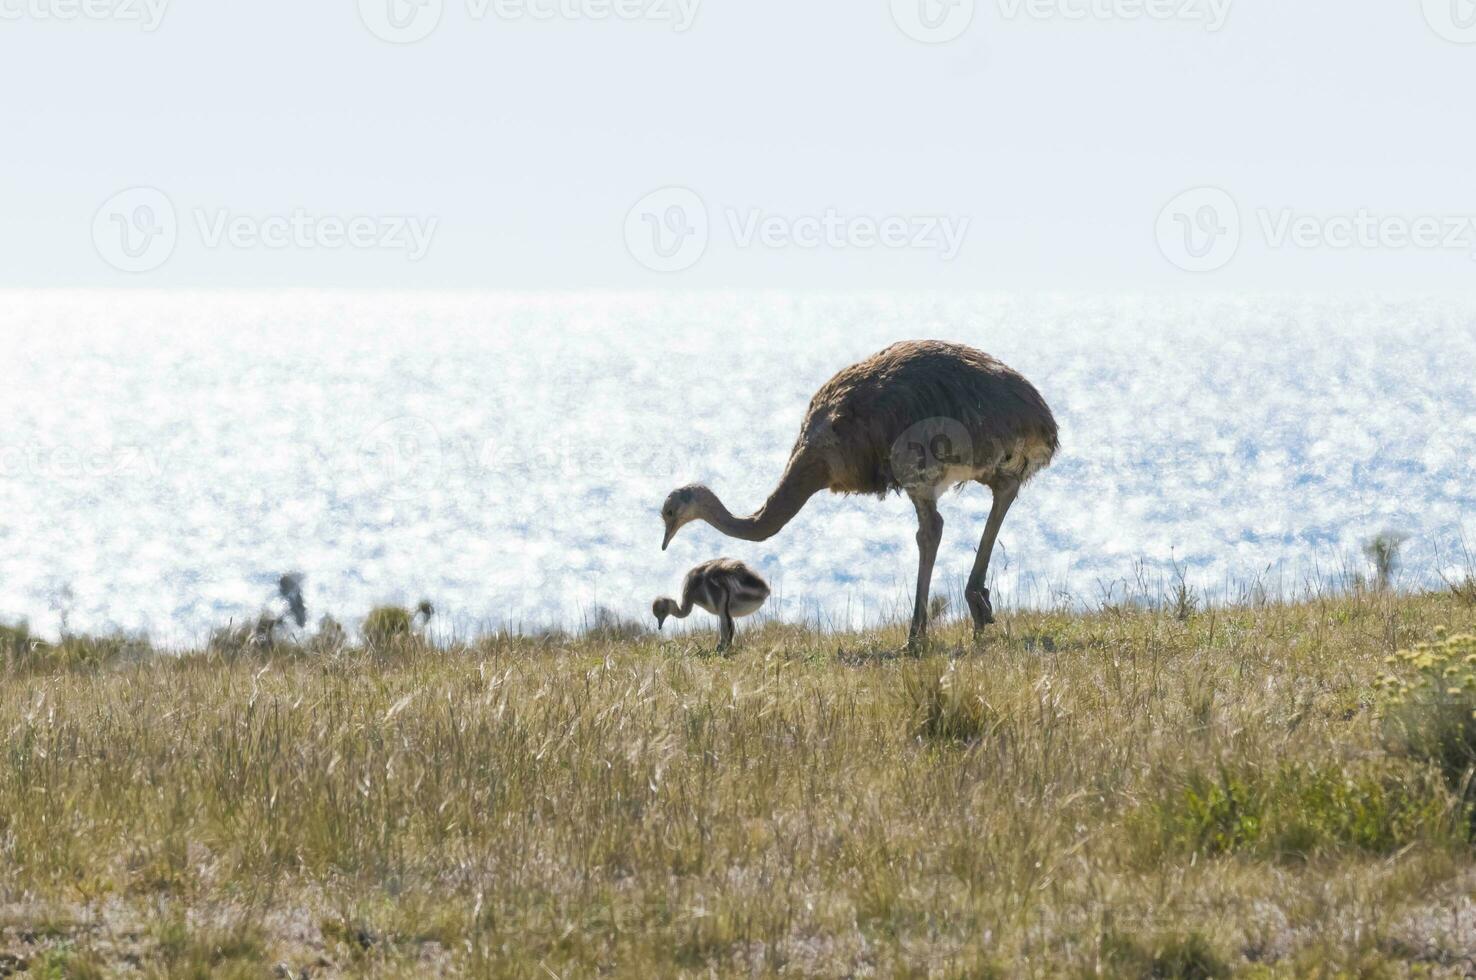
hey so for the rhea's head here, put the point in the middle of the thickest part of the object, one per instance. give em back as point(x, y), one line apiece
point(682, 507)
point(662, 608)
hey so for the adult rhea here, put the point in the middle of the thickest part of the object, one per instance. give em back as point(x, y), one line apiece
point(918, 418)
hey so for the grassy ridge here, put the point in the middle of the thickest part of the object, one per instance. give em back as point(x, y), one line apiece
point(1115, 794)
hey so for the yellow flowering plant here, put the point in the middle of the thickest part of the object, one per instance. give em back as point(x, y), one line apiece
point(1446, 667)
point(1428, 701)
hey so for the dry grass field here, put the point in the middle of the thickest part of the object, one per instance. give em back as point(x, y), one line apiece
point(1127, 793)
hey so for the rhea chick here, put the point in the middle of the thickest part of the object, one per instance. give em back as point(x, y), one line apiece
point(725, 587)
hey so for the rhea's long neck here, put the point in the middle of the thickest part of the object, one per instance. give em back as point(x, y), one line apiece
point(801, 481)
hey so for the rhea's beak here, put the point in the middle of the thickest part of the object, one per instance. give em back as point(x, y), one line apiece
point(671, 530)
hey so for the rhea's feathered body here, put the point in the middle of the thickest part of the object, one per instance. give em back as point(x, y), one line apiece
point(857, 419)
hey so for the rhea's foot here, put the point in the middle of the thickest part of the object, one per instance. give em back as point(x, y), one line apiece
point(917, 639)
point(980, 608)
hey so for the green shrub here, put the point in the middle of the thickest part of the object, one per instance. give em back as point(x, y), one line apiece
point(1326, 809)
point(1217, 815)
point(64, 963)
point(1297, 810)
point(19, 650)
point(389, 625)
point(385, 624)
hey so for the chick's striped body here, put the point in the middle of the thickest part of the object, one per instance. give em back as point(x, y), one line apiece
point(725, 587)
point(711, 582)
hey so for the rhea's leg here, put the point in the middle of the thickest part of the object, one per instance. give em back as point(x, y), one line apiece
point(929, 535)
point(725, 621)
point(1005, 491)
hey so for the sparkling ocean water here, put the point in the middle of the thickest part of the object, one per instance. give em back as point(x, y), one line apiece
point(165, 456)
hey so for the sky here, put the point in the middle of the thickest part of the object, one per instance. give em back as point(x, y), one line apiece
point(1062, 145)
